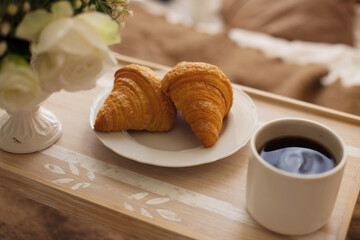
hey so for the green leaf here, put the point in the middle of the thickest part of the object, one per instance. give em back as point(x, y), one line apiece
point(18, 60)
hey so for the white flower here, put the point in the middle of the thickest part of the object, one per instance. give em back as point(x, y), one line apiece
point(70, 54)
point(34, 22)
point(19, 86)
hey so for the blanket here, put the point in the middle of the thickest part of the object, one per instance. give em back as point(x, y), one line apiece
point(156, 40)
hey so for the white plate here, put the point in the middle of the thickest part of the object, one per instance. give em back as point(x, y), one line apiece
point(180, 147)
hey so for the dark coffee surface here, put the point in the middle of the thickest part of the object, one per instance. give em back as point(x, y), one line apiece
point(297, 155)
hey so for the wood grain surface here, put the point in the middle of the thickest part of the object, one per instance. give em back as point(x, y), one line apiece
point(80, 175)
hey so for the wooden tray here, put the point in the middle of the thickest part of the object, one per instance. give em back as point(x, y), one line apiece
point(80, 175)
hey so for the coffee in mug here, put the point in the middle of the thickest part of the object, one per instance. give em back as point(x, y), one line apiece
point(297, 155)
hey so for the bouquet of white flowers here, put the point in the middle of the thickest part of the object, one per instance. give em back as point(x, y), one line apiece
point(46, 46)
point(49, 45)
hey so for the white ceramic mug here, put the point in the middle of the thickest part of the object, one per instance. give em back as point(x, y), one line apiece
point(288, 203)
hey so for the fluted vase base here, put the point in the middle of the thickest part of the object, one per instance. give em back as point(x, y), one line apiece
point(30, 131)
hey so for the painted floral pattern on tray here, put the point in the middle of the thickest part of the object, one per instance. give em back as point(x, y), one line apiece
point(164, 213)
point(75, 171)
point(138, 197)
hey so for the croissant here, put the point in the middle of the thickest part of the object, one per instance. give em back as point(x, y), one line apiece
point(136, 102)
point(203, 94)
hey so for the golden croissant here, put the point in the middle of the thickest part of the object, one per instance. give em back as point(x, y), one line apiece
point(136, 102)
point(203, 94)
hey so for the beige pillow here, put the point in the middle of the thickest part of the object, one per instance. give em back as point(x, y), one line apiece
point(328, 21)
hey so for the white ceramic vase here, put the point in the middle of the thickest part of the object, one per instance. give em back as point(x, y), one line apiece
point(28, 131)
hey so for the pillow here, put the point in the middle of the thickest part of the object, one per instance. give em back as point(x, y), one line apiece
point(327, 21)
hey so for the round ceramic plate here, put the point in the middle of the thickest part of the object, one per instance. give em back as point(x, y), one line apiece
point(180, 147)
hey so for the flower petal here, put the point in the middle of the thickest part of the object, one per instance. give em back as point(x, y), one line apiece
point(48, 66)
point(52, 34)
point(90, 32)
point(76, 42)
point(31, 25)
point(81, 73)
point(104, 24)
